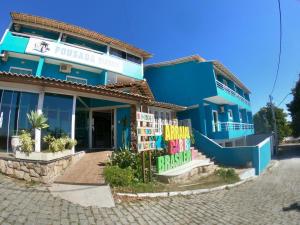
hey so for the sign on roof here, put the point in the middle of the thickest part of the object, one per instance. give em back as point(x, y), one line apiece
point(72, 54)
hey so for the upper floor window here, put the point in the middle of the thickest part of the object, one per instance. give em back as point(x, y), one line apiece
point(83, 43)
point(20, 70)
point(33, 31)
point(230, 115)
point(124, 55)
point(118, 53)
point(77, 80)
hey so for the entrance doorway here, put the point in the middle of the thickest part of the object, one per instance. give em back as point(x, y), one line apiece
point(103, 129)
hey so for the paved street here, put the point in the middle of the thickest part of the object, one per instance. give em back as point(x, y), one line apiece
point(270, 199)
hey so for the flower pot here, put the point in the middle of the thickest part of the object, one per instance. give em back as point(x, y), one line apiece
point(15, 142)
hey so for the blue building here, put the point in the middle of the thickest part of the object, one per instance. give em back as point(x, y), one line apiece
point(73, 76)
point(217, 102)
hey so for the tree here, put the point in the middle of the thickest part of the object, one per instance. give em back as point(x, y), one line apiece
point(263, 122)
point(294, 108)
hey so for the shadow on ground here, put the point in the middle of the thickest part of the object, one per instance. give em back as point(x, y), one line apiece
point(288, 151)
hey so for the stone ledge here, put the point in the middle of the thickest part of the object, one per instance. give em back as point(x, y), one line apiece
point(38, 171)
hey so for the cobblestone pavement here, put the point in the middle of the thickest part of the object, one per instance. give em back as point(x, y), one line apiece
point(270, 199)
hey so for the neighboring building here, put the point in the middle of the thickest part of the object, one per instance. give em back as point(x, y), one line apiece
point(217, 102)
point(69, 73)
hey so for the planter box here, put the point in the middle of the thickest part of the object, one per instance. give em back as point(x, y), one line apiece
point(43, 156)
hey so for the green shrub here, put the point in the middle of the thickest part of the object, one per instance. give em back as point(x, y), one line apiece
point(26, 142)
point(228, 174)
point(59, 144)
point(117, 176)
point(124, 158)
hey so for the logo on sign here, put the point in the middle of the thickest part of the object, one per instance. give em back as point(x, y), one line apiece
point(42, 47)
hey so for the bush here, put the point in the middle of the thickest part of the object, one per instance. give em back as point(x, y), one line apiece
point(117, 176)
point(228, 174)
point(26, 142)
point(59, 144)
point(124, 158)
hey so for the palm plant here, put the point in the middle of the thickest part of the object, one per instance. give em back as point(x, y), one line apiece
point(37, 121)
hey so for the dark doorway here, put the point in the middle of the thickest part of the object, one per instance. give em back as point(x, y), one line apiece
point(102, 129)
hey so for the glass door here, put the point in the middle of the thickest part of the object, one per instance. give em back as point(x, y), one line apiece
point(215, 121)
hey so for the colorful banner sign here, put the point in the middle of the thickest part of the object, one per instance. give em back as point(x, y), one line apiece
point(73, 54)
point(145, 131)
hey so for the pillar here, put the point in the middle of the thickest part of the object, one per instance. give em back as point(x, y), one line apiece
point(40, 67)
point(38, 132)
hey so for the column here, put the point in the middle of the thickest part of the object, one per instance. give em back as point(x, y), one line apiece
point(73, 121)
point(38, 132)
point(40, 67)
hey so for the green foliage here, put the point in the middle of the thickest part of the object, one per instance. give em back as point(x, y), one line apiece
point(26, 142)
point(294, 108)
point(37, 121)
point(263, 122)
point(117, 176)
point(228, 174)
point(59, 144)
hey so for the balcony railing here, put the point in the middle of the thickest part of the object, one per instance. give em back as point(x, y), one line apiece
point(228, 126)
point(231, 92)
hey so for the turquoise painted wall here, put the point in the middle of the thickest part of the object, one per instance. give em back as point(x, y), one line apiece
point(259, 157)
point(51, 70)
point(233, 99)
point(184, 84)
point(17, 62)
point(121, 114)
point(14, 43)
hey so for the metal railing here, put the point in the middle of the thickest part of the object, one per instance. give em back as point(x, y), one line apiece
point(231, 92)
point(227, 126)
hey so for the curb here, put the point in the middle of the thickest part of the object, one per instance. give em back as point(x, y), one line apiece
point(189, 192)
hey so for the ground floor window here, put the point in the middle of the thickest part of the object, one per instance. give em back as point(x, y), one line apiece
point(58, 110)
point(14, 105)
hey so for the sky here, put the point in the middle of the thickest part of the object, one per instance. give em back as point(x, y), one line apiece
point(243, 35)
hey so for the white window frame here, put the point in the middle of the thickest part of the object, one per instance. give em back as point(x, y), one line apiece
point(213, 121)
point(20, 68)
point(78, 78)
point(230, 115)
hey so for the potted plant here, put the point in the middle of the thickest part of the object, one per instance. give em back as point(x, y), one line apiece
point(37, 121)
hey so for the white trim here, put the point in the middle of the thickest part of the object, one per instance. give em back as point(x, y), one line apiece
point(38, 133)
point(193, 107)
point(213, 121)
point(78, 78)
point(73, 121)
point(5, 33)
point(263, 142)
point(21, 68)
point(32, 36)
point(109, 107)
point(37, 89)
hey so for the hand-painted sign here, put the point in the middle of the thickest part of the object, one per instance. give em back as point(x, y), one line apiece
point(145, 131)
point(178, 144)
point(77, 55)
point(167, 162)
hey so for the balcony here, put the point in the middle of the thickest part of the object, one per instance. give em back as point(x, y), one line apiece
point(231, 92)
point(227, 130)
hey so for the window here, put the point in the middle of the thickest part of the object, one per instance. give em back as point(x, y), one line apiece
point(230, 115)
point(134, 58)
point(58, 110)
point(77, 80)
point(118, 53)
point(20, 70)
point(241, 116)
